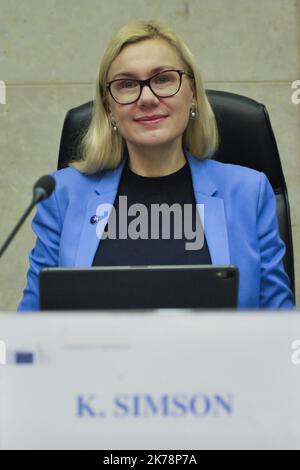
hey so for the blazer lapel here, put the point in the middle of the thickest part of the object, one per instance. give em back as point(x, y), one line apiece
point(104, 195)
point(214, 223)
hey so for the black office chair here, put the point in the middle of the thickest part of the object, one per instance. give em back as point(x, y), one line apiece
point(246, 138)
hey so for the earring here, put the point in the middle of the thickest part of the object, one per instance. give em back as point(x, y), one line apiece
point(193, 111)
point(114, 125)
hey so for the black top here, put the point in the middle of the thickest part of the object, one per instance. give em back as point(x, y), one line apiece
point(172, 189)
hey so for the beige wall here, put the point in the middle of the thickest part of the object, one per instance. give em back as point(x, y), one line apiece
point(49, 54)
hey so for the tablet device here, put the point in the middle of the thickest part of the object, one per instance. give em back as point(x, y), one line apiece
point(139, 287)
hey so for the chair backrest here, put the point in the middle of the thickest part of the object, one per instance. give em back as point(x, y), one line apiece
point(246, 138)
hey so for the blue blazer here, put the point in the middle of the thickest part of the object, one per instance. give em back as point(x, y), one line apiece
point(240, 226)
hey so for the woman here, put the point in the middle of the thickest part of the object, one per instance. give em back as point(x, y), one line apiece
point(148, 143)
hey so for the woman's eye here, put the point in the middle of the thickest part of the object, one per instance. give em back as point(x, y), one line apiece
point(162, 79)
point(127, 84)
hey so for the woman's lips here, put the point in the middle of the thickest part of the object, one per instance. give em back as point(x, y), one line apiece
point(149, 121)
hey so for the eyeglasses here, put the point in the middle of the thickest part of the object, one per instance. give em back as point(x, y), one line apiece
point(162, 85)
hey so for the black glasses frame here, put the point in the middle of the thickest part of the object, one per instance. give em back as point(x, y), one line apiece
point(146, 82)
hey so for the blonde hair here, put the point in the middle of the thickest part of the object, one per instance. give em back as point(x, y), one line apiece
point(102, 148)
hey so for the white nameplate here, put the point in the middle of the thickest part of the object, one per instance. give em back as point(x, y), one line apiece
point(163, 380)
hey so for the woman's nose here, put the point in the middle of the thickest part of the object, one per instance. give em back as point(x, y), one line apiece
point(147, 96)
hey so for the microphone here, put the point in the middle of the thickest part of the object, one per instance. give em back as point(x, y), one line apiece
point(42, 189)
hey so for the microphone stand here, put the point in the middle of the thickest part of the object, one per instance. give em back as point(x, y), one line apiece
point(17, 227)
point(43, 188)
